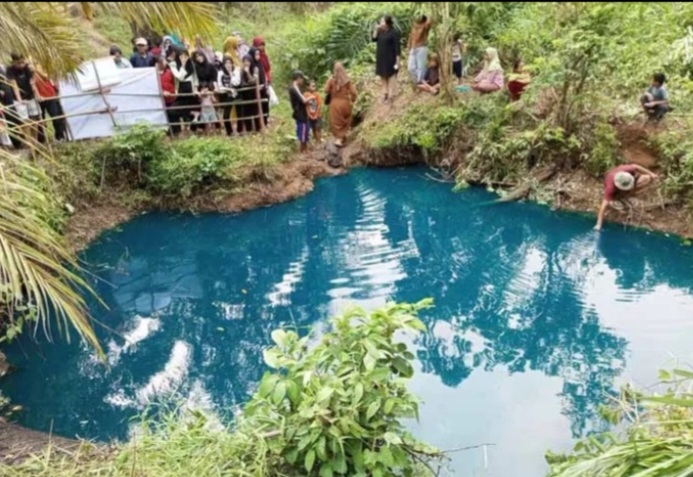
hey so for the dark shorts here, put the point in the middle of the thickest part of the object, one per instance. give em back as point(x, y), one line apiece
point(315, 123)
point(457, 68)
point(302, 132)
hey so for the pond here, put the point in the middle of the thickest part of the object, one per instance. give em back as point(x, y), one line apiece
point(537, 317)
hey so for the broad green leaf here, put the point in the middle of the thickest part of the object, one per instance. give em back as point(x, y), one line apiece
point(372, 409)
point(291, 456)
point(324, 394)
point(279, 392)
point(310, 460)
point(271, 357)
point(267, 384)
point(326, 471)
point(358, 393)
point(392, 438)
point(279, 337)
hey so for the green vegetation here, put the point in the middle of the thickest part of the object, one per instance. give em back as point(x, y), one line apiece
point(658, 441)
point(162, 172)
point(333, 405)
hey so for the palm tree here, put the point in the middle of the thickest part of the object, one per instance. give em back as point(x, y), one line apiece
point(51, 36)
point(39, 275)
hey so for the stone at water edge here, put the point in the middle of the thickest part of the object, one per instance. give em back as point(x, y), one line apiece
point(334, 155)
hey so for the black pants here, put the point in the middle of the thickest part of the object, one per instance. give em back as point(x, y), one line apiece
point(228, 109)
point(174, 119)
point(54, 109)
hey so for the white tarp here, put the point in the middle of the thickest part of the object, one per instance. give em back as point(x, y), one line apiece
point(133, 95)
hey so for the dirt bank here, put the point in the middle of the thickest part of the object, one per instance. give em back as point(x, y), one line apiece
point(291, 181)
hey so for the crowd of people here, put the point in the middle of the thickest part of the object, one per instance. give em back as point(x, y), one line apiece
point(206, 91)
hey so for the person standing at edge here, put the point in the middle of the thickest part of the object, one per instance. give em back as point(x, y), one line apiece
point(387, 54)
point(622, 182)
point(142, 58)
point(21, 77)
point(300, 114)
point(418, 48)
point(50, 105)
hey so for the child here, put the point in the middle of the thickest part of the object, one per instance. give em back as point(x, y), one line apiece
point(431, 80)
point(314, 109)
point(655, 101)
point(300, 115)
point(518, 80)
point(208, 115)
point(457, 50)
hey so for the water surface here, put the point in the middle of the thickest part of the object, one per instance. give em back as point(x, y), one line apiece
point(537, 317)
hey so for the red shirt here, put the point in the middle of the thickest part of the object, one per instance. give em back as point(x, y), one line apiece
point(610, 189)
point(45, 87)
point(168, 83)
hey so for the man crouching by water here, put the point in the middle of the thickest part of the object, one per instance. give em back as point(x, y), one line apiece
point(620, 183)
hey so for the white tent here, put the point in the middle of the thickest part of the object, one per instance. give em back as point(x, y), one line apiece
point(132, 95)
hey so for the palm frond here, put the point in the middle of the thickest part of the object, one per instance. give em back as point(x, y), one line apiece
point(187, 18)
point(41, 32)
point(35, 266)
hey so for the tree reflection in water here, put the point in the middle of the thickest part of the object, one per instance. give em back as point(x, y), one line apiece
point(510, 285)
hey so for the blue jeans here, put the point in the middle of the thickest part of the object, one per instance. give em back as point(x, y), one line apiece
point(418, 59)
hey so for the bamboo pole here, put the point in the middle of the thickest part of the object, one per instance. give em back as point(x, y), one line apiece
point(110, 113)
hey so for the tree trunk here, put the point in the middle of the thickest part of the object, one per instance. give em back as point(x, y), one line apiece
point(443, 25)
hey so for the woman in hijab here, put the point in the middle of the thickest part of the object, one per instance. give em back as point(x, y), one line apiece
point(342, 97)
point(231, 50)
point(388, 50)
point(259, 43)
point(256, 56)
point(205, 70)
point(490, 79)
point(248, 111)
point(184, 72)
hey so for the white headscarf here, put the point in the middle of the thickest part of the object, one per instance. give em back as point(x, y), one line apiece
point(493, 63)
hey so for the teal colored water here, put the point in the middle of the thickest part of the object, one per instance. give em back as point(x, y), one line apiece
point(537, 317)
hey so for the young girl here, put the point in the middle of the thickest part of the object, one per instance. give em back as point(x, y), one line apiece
point(457, 64)
point(208, 115)
point(314, 109)
point(431, 80)
point(228, 80)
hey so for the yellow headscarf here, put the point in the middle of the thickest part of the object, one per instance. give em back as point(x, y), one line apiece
point(231, 50)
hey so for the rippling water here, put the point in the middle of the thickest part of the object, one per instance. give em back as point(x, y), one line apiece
point(537, 318)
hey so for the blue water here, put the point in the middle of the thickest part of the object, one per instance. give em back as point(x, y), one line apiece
point(537, 317)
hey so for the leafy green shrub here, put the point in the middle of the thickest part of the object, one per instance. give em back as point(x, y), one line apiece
point(341, 403)
point(333, 405)
point(657, 441)
point(195, 163)
point(603, 153)
point(675, 151)
point(127, 156)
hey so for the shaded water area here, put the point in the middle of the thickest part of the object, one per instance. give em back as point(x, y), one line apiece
point(537, 317)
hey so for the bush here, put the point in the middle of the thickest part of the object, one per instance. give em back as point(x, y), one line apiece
point(129, 154)
point(195, 163)
point(657, 440)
